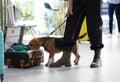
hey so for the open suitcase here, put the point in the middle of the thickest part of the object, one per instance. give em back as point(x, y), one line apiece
point(21, 59)
point(1, 56)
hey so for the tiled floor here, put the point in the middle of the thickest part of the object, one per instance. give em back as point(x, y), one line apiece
point(109, 72)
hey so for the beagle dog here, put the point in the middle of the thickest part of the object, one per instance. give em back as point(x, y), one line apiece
point(48, 43)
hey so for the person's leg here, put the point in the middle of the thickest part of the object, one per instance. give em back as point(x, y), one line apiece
point(110, 14)
point(117, 12)
point(73, 26)
point(96, 62)
point(94, 27)
point(63, 61)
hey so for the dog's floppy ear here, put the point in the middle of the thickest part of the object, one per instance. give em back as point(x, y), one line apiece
point(34, 44)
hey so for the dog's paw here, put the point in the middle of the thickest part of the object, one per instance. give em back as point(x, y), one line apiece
point(76, 61)
point(46, 64)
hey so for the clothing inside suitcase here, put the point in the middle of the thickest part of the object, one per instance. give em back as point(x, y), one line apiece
point(18, 57)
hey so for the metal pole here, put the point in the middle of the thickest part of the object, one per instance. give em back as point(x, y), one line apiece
point(5, 2)
point(1, 10)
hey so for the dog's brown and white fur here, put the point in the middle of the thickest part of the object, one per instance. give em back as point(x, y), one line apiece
point(49, 45)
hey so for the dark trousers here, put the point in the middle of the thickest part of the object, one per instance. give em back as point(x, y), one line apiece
point(111, 9)
point(90, 9)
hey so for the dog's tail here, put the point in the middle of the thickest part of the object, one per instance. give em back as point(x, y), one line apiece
point(82, 36)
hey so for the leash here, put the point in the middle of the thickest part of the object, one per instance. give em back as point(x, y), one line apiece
point(57, 27)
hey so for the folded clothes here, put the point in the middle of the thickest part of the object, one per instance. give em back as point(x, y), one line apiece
point(18, 47)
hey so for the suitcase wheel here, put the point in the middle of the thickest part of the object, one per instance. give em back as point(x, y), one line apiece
point(8, 62)
point(32, 62)
point(22, 63)
point(38, 60)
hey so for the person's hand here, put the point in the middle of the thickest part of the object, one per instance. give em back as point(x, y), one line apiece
point(69, 10)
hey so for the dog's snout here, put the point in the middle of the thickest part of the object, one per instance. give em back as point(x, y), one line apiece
point(30, 44)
